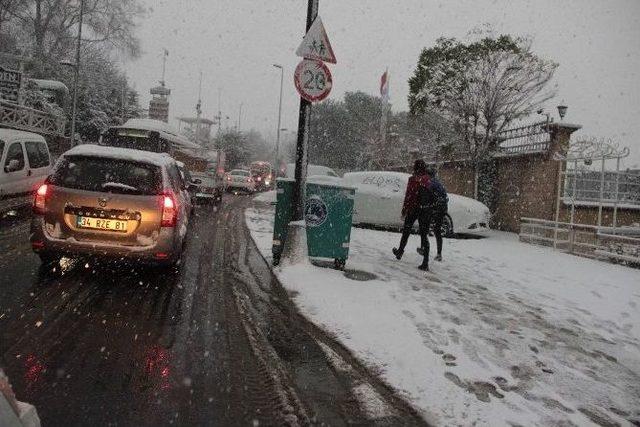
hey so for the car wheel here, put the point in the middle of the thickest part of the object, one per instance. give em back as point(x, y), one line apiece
point(447, 226)
point(49, 257)
point(50, 262)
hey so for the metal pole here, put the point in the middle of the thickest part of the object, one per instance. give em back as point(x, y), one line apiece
point(601, 193)
point(199, 110)
point(573, 206)
point(219, 111)
point(383, 121)
point(573, 196)
point(240, 116)
point(276, 165)
point(164, 65)
point(76, 75)
point(558, 199)
point(303, 136)
point(617, 194)
point(124, 100)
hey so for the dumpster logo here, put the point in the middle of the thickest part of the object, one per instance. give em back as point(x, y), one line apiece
point(316, 212)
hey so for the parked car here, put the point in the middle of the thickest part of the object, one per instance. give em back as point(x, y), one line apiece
point(25, 163)
point(240, 180)
point(115, 202)
point(380, 195)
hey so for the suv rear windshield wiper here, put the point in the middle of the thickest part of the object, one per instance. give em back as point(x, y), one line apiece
point(124, 188)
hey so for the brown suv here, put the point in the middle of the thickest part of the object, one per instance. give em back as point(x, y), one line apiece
point(114, 202)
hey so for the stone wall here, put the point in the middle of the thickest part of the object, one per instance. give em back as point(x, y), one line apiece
point(527, 186)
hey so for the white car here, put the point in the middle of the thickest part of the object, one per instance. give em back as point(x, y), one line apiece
point(380, 195)
point(24, 164)
point(318, 172)
point(240, 180)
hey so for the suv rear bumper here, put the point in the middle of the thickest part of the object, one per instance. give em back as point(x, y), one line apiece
point(166, 248)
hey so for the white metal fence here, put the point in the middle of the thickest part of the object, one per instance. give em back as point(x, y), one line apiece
point(588, 186)
point(620, 244)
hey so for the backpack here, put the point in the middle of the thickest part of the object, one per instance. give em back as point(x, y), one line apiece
point(432, 197)
point(426, 197)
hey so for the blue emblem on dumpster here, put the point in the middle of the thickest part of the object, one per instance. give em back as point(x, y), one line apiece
point(315, 212)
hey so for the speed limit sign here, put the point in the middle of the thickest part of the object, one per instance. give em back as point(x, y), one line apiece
point(313, 80)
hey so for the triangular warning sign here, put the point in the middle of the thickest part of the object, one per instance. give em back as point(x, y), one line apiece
point(315, 44)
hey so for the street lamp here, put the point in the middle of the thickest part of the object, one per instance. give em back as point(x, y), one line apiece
point(75, 77)
point(562, 110)
point(276, 165)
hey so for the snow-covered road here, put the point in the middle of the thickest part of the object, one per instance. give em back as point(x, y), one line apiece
point(499, 333)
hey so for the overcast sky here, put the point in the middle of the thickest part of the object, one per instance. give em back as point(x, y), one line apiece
point(235, 42)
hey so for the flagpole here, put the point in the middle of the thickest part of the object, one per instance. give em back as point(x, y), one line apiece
point(384, 103)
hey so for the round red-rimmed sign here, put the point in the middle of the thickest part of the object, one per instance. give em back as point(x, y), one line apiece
point(313, 80)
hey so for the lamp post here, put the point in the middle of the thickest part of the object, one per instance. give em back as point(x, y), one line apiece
point(562, 110)
point(279, 116)
point(76, 75)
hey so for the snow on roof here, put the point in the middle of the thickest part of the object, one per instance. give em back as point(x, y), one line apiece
point(158, 159)
point(50, 85)
point(312, 170)
point(8, 135)
point(165, 129)
point(192, 120)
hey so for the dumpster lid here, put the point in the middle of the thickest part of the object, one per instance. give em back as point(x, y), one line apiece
point(332, 185)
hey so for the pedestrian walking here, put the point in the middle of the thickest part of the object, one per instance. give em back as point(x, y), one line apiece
point(435, 202)
point(412, 211)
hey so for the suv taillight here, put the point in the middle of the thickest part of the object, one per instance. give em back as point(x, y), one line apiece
point(169, 211)
point(40, 201)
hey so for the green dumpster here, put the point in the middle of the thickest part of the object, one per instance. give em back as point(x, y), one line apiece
point(328, 214)
point(284, 196)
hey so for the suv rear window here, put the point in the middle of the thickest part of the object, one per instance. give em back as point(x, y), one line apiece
point(108, 175)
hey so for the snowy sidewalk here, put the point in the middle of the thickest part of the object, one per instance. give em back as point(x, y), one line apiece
point(499, 333)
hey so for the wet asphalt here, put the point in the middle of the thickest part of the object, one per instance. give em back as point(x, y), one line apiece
point(214, 342)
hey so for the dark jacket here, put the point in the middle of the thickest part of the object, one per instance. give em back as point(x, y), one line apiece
point(411, 195)
point(440, 194)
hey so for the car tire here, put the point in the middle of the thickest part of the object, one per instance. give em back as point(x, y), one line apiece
point(49, 260)
point(447, 226)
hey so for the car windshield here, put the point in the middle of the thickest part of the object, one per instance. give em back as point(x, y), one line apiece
point(107, 175)
point(238, 172)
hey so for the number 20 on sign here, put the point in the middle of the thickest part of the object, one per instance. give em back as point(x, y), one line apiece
point(313, 80)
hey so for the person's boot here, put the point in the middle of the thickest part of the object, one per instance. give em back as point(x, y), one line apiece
point(420, 251)
point(424, 266)
point(438, 257)
point(398, 253)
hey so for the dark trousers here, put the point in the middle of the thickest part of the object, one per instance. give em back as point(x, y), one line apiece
point(436, 216)
point(422, 216)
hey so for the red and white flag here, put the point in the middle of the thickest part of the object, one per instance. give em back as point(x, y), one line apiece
point(384, 86)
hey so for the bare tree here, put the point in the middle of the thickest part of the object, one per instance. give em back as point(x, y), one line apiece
point(51, 25)
point(492, 92)
point(481, 88)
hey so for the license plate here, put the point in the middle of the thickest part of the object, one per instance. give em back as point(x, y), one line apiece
point(101, 224)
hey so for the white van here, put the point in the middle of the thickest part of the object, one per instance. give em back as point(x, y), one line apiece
point(24, 164)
